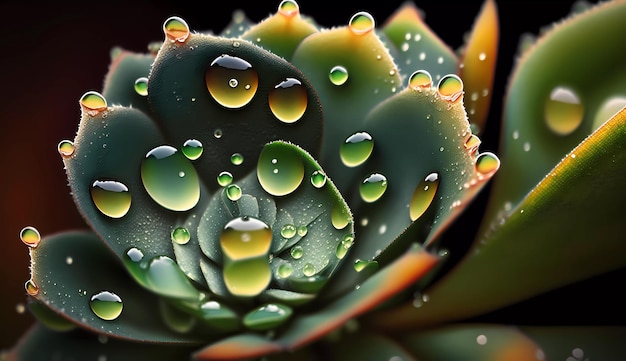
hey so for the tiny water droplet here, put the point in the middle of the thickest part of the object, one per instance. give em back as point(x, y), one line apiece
point(420, 79)
point(106, 305)
point(338, 75)
point(141, 86)
point(563, 111)
point(30, 236)
point(450, 87)
point(219, 79)
point(217, 133)
point(93, 103)
point(180, 235)
point(297, 252)
point(288, 8)
point(233, 192)
point(356, 149)
point(66, 148)
point(236, 159)
point(280, 170)
point(308, 269)
point(176, 29)
point(302, 231)
point(288, 100)
point(318, 179)
point(245, 237)
point(112, 198)
point(339, 216)
point(285, 270)
point(359, 265)
point(267, 317)
point(224, 178)
point(423, 196)
point(288, 231)
point(31, 287)
point(373, 187)
point(472, 143)
point(487, 163)
point(192, 149)
point(361, 23)
point(161, 176)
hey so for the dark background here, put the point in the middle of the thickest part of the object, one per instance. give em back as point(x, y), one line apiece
point(51, 54)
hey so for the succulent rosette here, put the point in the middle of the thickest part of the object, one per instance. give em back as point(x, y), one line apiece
point(281, 189)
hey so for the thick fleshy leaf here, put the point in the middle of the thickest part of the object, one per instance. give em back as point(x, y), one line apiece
point(472, 342)
point(431, 168)
point(415, 46)
point(75, 275)
point(307, 328)
point(478, 64)
point(42, 344)
point(564, 86)
point(572, 343)
point(540, 246)
point(126, 83)
point(232, 97)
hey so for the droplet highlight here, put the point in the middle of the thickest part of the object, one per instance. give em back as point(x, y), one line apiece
point(338, 75)
point(30, 236)
point(373, 187)
point(192, 149)
point(361, 23)
point(176, 29)
point(563, 111)
point(112, 198)
point(450, 87)
point(420, 79)
point(232, 81)
point(356, 149)
point(288, 100)
point(423, 196)
point(106, 305)
point(288, 231)
point(280, 170)
point(141, 86)
point(236, 159)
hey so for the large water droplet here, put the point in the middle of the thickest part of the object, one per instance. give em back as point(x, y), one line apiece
point(356, 149)
point(267, 317)
point(288, 100)
point(450, 87)
point(192, 149)
point(373, 187)
point(288, 8)
point(285, 270)
point(247, 277)
point(487, 163)
point(30, 236)
point(420, 79)
point(280, 170)
point(180, 235)
point(231, 81)
point(176, 29)
point(339, 216)
point(338, 75)
point(308, 269)
point(112, 198)
point(66, 148)
point(31, 288)
point(563, 111)
point(245, 237)
point(361, 23)
point(93, 103)
point(141, 86)
point(106, 305)
point(170, 179)
point(423, 196)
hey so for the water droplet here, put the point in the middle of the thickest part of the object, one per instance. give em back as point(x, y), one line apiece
point(267, 317)
point(481, 340)
point(288, 100)
point(607, 110)
point(450, 87)
point(487, 163)
point(192, 149)
point(338, 75)
point(31, 287)
point(164, 276)
point(308, 269)
point(361, 23)
point(423, 196)
point(344, 246)
point(180, 235)
point(219, 79)
point(356, 149)
point(285, 270)
point(66, 148)
point(302, 231)
point(420, 79)
point(288, 8)
point(360, 265)
point(472, 143)
point(224, 178)
point(280, 170)
point(236, 159)
point(141, 86)
point(245, 237)
point(373, 187)
point(339, 216)
point(318, 179)
point(176, 29)
point(30, 236)
point(288, 231)
point(111, 198)
point(297, 252)
point(247, 277)
point(217, 133)
point(106, 305)
point(160, 174)
point(93, 103)
point(233, 192)
point(563, 111)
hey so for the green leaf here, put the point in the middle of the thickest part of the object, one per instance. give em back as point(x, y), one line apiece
point(70, 269)
point(551, 239)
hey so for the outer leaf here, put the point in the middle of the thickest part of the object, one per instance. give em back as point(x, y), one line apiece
point(540, 247)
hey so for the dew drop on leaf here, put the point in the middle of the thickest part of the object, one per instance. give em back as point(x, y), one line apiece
point(563, 111)
point(302, 231)
point(423, 196)
point(318, 179)
point(192, 149)
point(180, 235)
point(236, 159)
point(288, 8)
point(373, 187)
point(280, 171)
point(285, 270)
point(288, 231)
point(112, 198)
point(233, 192)
point(338, 75)
point(164, 276)
point(176, 29)
point(31, 288)
point(93, 103)
point(231, 81)
point(30, 236)
point(339, 216)
point(224, 178)
point(245, 237)
point(267, 317)
point(472, 143)
point(487, 163)
point(297, 252)
point(356, 149)
point(420, 79)
point(106, 305)
point(450, 87)
point(247, 277)
point(288, 100)
point(141, 86)
point(608, 109)
point(361, 23)
point(66, 148)
point(308, 269)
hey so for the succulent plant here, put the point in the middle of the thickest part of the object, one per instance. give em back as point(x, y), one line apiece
point(284, 190)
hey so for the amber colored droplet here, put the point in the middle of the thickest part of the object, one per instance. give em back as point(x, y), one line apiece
point(361, 23)
point(30, 236)
point(93, 103)
point(176, 29)
point(487, 163)
point(66, 148)
point(563, 111)
point(31, 288)
point(423, 196)
point(231, 81)
point(420, 79)
point(450, 87)
point(288, 100)
point(288, 8)
point(472, 143)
